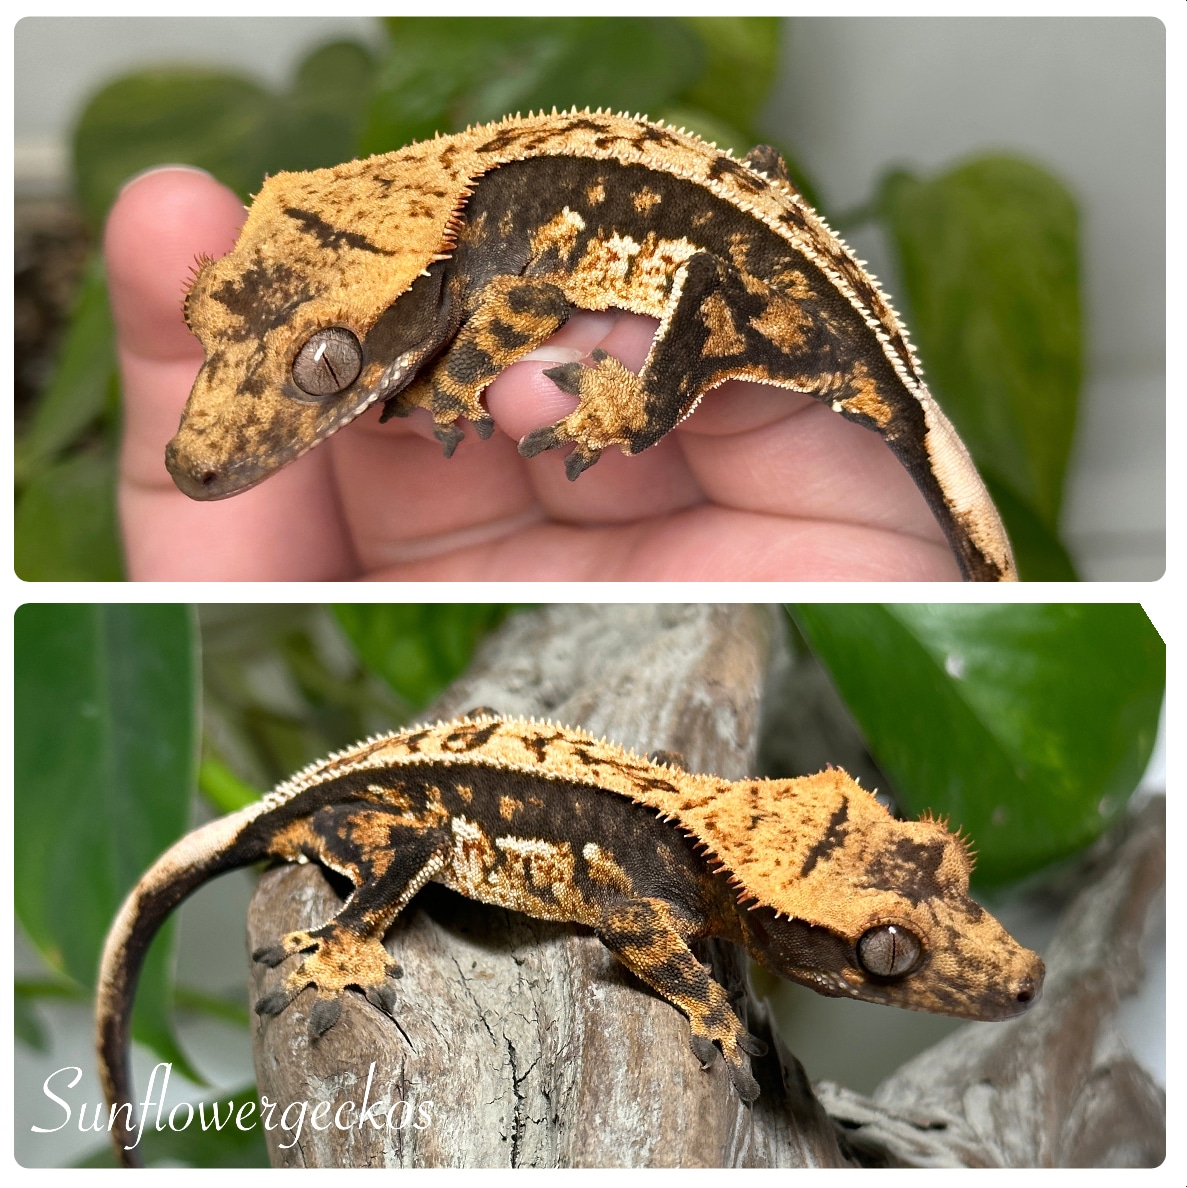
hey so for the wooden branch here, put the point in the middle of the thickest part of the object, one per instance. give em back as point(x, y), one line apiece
point(525, 1043)
point(1057, 1087)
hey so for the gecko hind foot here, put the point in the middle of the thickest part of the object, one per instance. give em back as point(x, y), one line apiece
point(335, 959)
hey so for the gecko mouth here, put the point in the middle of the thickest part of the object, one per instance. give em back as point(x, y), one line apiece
point(198, 474)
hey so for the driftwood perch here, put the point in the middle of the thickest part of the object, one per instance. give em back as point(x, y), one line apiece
point(522, 1043)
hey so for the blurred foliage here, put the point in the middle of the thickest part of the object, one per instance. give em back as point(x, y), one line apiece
point(989, 256)
point(988, 251)
point(195, 1146)
point(105, 748)
point(1027, 726)
point(417, 648)
point(109, 710)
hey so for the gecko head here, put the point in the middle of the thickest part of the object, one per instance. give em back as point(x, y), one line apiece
point(880, 911)
point(303, 329)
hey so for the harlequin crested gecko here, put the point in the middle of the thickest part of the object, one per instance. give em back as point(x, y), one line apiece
point(813, 876)
point(413, 279)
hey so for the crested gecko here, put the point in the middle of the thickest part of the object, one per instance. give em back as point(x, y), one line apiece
point(812, 875)
point(414, 278)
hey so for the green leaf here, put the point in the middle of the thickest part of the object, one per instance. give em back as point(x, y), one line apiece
point(445, 73)
point(225, 791)
point(81, 385)
point(337, 77)
point(188, 115)
point(418, 648)
point(105, 726)
point(989, 256)
point(1028, 725)
point(65, 526)
point(222, 122)
point(192, 1146)
point(740, 56)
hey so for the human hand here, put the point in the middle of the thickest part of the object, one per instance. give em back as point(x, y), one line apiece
point(759, 484)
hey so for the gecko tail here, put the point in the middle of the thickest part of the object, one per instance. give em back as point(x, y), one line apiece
point(210, 850)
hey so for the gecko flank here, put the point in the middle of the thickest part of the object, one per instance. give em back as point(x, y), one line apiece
point(812, 876)
point(413, 279)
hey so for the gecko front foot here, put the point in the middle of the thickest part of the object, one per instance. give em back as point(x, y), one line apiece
point(335, 959)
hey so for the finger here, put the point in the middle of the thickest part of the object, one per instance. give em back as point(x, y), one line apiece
point(288, 528)
point(809, 463)
point(406, 501)
point(704, 543)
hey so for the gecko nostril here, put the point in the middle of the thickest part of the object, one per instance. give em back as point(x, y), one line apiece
point(1026, 990)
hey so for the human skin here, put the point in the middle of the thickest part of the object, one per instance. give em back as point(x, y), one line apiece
point(759, 484)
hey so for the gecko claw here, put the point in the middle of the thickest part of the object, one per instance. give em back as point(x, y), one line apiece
point(705, 1050)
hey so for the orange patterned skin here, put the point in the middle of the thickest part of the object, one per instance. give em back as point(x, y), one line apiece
point(414, 278)
point(813, 876)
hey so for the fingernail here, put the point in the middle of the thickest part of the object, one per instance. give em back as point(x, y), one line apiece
point(552, 354)
point(162, 169)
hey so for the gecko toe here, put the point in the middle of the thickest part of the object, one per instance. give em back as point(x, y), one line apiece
point(752, 1044)
point(323, 1015)
point(383, 997)
point(483, 426)
point(448, 436)
point(538, 441)
point(579, 461)
point(270, 955)
point(567, 377)
point(703, 1049)
point(744, 1082)
point(394, 408)
point(274, 1003)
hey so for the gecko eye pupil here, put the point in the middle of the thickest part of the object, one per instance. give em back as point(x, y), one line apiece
point(889, 951)
point(328, 363)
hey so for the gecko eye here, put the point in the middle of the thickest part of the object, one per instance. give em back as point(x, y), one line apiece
point(328, 363)
point(889, 951)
